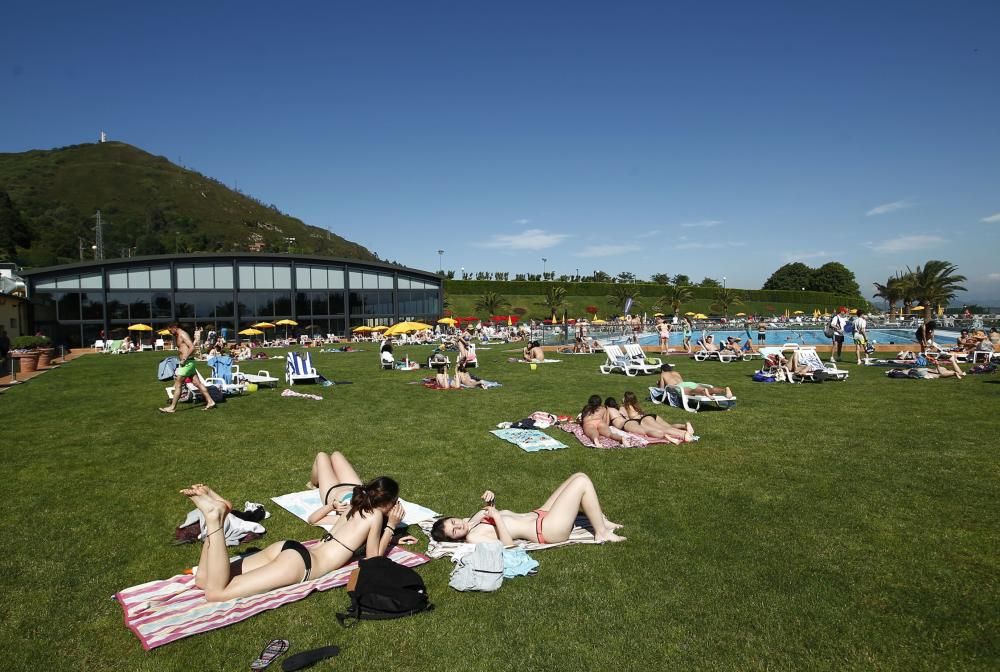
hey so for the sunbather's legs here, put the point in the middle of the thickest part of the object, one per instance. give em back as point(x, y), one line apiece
point(577, 494)
point(709, 391)
point(330, 470)
point(263, 574)
point(172, 407)
point(204, 392)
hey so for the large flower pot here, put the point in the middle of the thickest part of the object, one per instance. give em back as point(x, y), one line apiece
point(44, 357)
point(27, 361)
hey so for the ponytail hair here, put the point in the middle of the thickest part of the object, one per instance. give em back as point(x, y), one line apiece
point(611, 402)
point(374, 494)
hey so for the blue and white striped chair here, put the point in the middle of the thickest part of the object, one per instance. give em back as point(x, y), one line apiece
point(299, 368)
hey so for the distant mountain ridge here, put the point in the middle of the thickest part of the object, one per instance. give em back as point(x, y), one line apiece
point(148, 206)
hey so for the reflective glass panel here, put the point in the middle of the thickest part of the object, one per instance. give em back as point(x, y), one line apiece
point(223, 277)
point(159, 278)
point(263, 277)
point(92, 281)
point(246, 276)
point(138, 278)
point(282, 277)
point(335, 278)
point(117, 279)
point(319, 277)
point(302, 277)
point(185, 277)
point(69, 306)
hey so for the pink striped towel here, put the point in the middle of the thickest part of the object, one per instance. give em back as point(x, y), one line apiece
point(163, 611)
point(632, 440)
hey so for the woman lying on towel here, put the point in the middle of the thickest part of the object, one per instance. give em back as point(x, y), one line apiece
point(595, 421)
point(289, 562)
point(620, 420)
point(549, 524)
point(653, 425)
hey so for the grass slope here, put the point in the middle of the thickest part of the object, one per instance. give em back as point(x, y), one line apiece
point(146, 201)
point(825, 527)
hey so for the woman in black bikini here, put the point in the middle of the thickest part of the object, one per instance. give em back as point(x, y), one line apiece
point(336, 480)
point(551, 523)
point(619, 420)
point(370, 523)
point(651, 423)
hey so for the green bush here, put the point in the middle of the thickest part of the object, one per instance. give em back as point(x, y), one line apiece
point(30, 342)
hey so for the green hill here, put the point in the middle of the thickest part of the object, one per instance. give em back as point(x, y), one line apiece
point(148, 206)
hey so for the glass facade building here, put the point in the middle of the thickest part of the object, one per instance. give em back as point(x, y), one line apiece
point(74, 304)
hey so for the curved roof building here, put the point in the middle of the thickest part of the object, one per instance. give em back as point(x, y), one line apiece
point(76, 304)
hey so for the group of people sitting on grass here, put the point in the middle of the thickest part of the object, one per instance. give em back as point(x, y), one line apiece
point(731, 345)
point(364, 519)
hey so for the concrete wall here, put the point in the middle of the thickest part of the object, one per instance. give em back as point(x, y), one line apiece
point(13, 315)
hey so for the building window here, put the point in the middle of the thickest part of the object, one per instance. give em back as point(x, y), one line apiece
point(159, 278)
point(92, 281)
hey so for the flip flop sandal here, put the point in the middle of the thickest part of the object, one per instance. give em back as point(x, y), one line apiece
point(300, 661)
point(272, 651)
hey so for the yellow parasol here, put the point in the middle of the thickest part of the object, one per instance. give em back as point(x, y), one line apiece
point(358, 330)
point(287, 323)
point(690, 314)
point(262, 325)
point(251, 332)
point(450, 321)
point(380, 327)
point(917, 308)
point(404, 327)
point(657, 314)
point(164, 332)
point(741, 314)
point(701, 316)
point(140, 327)
point(797, 312)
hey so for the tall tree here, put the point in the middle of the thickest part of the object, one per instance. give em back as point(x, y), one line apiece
point(725, 297)
point(660, 278)
point(709, 282)
point(935, 284)
point(794, 276)
point(13, 232)
point(681, 279)
point(626, 276)
point(891, 291)
point(492, 303)
point(834, 277)
point(676, 296)
point(554, 299)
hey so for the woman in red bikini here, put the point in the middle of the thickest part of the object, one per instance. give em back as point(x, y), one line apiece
point(549, 524)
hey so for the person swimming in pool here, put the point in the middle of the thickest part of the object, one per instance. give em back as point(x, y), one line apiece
point(368, 524)
point(551, 523)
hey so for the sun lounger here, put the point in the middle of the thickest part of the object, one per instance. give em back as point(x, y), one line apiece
point(681, 397)
point(619, 361)
point(261, 378)
point(299, 368)
point(639, 356)
point(818, 371)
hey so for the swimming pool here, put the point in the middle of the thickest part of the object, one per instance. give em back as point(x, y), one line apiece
point(780, 336)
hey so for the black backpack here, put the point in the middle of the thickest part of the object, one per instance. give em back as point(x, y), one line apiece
point(383, 590)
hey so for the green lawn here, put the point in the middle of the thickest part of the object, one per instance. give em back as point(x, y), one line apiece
point(836, 526)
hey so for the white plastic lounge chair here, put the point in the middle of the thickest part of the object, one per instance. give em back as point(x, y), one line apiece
point(704, 354)
point(158, 344)
point(619, 361)
point(638, 355)
point(99, 345)
point(386, 360)
point(299, 368)
point(811, 359)
point(261, 378)
point(680, 397)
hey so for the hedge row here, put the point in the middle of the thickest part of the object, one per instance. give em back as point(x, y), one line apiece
point(647, 290)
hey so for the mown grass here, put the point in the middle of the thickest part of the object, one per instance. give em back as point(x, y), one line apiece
point(835, 526)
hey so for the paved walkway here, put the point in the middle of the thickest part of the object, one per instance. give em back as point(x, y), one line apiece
point(7, 381)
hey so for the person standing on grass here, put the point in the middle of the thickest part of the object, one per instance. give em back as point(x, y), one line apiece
point(185, 352)
point(860, 335)
point(663, 329)
point(835, 331)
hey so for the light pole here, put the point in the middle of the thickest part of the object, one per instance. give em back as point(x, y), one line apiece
point(440, 264)
point(723, 282)
point(544, 261)
point(463, 272)
point(578, 275)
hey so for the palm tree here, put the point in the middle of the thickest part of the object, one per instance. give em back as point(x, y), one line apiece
point(492, 303)
point(620, 295)
point(555, 298)
point(935, 284)
point(725, 297)
point(892, 291)
point(676, 296)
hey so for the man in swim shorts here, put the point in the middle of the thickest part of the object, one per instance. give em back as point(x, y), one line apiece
point(672, 378)
point(185, 352)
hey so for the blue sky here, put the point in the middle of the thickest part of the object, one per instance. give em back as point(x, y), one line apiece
point(719, 139)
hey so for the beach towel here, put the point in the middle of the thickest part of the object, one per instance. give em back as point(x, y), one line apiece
point(583, 533)
point(631, 440)
point(301, 504)
point(300, 395)
point(544, 361)
point(163, 611)
point(528, 440)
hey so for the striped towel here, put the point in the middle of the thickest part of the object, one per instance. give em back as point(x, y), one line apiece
point(634, 440)
point(582, 533)
point(163, 611)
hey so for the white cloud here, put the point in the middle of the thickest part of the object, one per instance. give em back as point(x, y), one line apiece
point(907, 243)
point(531, 239)
point(522, 222)
point(704, 223)
point(607, 250)
point(991, 219)
point(708, 246)
point(800, 256)
point(647, 234)
point(888, 207)
point(993, 276)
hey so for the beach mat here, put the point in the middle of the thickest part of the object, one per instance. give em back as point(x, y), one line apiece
point(528, 440)
point(163, 611)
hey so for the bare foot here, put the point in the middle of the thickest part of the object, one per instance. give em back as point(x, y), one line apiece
point(729, 393)
point(690, 429)
point(608, 536)
point(205, 502)
point(209, 407)
point(166, 409)
point(214, 495)
point(311, 486)
point(612, 526)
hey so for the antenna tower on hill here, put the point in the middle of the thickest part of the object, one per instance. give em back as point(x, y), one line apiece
point(99, 238)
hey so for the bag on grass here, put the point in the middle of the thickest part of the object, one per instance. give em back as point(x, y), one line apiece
point(481, 570)
point(381, 589)
point(762, 377)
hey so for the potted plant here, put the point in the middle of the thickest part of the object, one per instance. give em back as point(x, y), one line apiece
point(26, 352)
point(45, 350)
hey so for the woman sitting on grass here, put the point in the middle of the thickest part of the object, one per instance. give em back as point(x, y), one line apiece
point(363, 526)
point(652, 425)
point(533, 352)
point(549, 524)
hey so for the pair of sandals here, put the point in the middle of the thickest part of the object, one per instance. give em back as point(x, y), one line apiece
point(277, 647)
